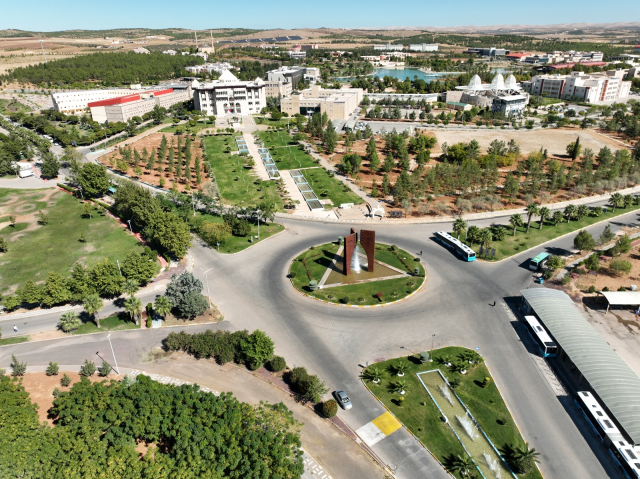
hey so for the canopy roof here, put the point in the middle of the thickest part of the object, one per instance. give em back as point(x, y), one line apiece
point(622, 298)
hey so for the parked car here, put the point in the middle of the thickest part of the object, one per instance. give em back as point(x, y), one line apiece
point(343, 399)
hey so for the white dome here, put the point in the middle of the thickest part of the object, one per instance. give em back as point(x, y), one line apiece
point(510, 83)
point(475, 83)
point(498, 82)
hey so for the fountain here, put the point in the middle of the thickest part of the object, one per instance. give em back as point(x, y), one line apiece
point(493, 464)
point(356, 265)
point(470, 428)
point(444, 390)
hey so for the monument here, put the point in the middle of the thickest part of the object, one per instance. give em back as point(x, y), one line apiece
point(351, 255)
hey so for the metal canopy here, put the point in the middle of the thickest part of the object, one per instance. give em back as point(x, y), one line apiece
point(622, 298)
point(612, 380)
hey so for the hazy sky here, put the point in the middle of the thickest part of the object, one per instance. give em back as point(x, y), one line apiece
point(44, 15)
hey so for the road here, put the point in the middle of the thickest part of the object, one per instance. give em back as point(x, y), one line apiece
point(252, 291)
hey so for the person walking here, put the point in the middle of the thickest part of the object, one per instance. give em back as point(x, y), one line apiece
point(15, 328)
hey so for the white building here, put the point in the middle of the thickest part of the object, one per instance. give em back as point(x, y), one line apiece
point(423, 47)
point(389, 47)
point(125, 107)
point(141, 50)
point(337, 104)
point(230, 95)
point(293, 75)
point(588, 88)
point(210, 67)
point(312, 74)
point(170, 52)
point(503, 96)
point(510, 105)
point(72, 102)
point(278, 89)
point(296, 54)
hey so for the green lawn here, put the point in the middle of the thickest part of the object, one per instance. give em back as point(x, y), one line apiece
point(522, 241)
point(292, 158)
point(236, 182)
point(11, 106)
point(421, 416)
point(239, 243)
point(319, 258)
point(117, 322)
point(34, 250)
point(276, 138)
point(14, 340)
point(198, 127)
point(321, 181)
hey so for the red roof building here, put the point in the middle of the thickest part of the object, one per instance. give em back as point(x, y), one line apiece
point(115, 101)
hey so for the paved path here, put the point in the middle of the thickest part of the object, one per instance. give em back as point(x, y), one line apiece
point(259, 168)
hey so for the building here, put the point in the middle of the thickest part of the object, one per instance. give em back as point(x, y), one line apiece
point(487, 52)
point(551, 58)
point(142, 50)
point(294, 75)
point(209, 68)
point(311, 74)
point(423, 47)
point(337, 104)
point(303, 48)
point(389, 47)
point(296, 54)
point(586, 359)
point(509, 105)
point(72, 102)
point(588, 88)
point(170, 52)
point(230, 95)
point(502, 96)
point(278, 89)
point(517, 57)
point(126, 107)
point(428, 97)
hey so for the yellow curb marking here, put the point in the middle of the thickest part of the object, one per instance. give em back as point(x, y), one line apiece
point(387, 423)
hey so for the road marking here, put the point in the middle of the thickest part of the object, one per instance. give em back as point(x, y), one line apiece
point(312, 469)
point(387, 423)
point(370, 434)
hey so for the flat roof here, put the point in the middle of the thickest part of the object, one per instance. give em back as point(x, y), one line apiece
point(622, 298)
point(115, 101)
point(612, 380)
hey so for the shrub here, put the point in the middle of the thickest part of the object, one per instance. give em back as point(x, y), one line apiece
point(277, 364)
point(592, 289)
point(344, 300)
point(56, 393)
point(104, 369)
point(605, 289)
point(18, 368)
point(256, 349)
point(566, 279)
point(65, 380)
point(379, 296)
point(88, 368)
point(329, 408)
point(149, 323)
point(292, 274)
point(486, 382)
point(361, 300)
point(52, 369)
point(620, 266)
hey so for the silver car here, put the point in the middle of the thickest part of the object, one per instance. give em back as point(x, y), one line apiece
point(343, 399)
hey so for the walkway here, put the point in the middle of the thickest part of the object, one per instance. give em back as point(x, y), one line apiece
point(259, 167)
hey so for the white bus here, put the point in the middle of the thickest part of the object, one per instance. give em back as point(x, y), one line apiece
point(458, 246)
point(547, 346)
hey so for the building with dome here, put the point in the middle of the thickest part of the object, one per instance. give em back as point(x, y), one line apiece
point(228, 95)
point(502, 96)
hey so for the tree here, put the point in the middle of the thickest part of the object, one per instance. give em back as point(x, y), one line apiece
point(92, 305)
point(473, 234)
point(130, 286)
point(139, 268)
point(606, 235)
point(69, 321)
point(4, 245)
point(184, 293)
point(329, 139)
point(617, 201)
point(584, 241)
point(582, 211)
point(532, 209)
point(329, 408)
point(399, 386)
point(162, 306)
point(104, 369)
point(524, 458)
point(133, 306)
point(624, 244)
point(557, 217)
point(544, 214)
point(485, 236)
point(55, 290)
point(18, 368)
point(620, 266)
point(569, 212)
point(88, 209)
point(257, 348)
point(463, 465)
point(52, 369)
point(574, 148)
point(214, 233)
point(593, 262)
point(50, 166)
point(192, 304)
point(93, 180)
point(30, 293)
point(459, 226)
point(105, 278)
point(88, 369)
point(516, 221)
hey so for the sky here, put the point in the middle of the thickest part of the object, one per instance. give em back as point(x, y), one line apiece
point(44, 15)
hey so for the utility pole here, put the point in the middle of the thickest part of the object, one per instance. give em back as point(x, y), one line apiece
point(42, 46)
point(114, 354)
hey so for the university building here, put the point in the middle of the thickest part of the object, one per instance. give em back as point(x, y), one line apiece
point(228, 95)
point(337, 104)
point(579, 86)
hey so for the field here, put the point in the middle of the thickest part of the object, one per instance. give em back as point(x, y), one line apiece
point(420, 415)
point(285, 152)
point(314, 263)
point(235, 181)
point(326, 186)
point(34, 249)
point(117, 322)
point(240, 243)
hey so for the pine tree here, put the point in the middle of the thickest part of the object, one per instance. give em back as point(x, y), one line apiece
point(385, 185)
point(197, 171)
point(171, 159)
point(163, 147)
point(152, 161)
point(374, 162)
point(136, 158)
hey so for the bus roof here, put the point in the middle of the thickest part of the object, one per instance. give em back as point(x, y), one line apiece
point(540, 257)
point(540, 331)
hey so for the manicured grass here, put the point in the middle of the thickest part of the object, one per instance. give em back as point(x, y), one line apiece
point(320, 257)
point(14, 340)
point(236, 182)
point(239, 243)
point(522, 241)
point(117, 322)
point(36, 250)
point(321, 181)
point(276, 138)
point(421, 416)
point(198, 127)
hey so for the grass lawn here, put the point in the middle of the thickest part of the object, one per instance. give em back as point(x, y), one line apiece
point(11, 106)
point(322, 182)
point(117, 322)
point(319, 258)
point(522, 241)
point(14, 340)
point(276, 138)
point(198, 127)
point(421, 416)
point(236, 182)
point(239, 243)
point(35, 250)
point(292, 158)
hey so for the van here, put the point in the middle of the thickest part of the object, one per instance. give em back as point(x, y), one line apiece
point(25, 173)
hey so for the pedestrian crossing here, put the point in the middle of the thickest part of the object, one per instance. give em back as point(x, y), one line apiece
point(375, 431)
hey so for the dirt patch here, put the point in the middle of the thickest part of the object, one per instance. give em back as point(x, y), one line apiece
point(210, 316)
point(40, 387)
point(55, 334)
point(89, 248)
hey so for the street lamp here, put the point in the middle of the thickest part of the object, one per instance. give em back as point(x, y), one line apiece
point(432, 338)
point(208, 291)
point(258, 211)
point(42, 46)
point(114, 354)
point(130, 228)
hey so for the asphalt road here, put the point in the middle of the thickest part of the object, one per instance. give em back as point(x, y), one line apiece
point(252, 291)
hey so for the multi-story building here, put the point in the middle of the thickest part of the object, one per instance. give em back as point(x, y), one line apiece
point(72, 102)
point(278, 89)
point(125, 107)
point(142, 50)
point(551, 58)
point(312, 74)
point(297, 55)
point(293, 75)
point(210, 67)
point(228, 95)
point(423, 47)
point(337, 104)
point(509, 105)
point(389, 47)
point(589, 88)
point(487, 52)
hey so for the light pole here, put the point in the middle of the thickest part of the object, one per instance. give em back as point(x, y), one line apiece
point(208, 291)
point(258, 211)
point(130, 228)
point(118, 261)
point(42, 46)
point(432, 338)
point(114, 354)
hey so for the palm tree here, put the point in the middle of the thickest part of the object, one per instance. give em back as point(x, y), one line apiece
point(582, 211)
point(544, 214)
point(516, 221)
point(399, 386)
point(616, 201)
point(162, 306)
point(401, 368)
point(463, 465)
point(459, 227)
point(485, 236)
point(472, 234)
point(532, 210)
point(557, 217)
point(524, 457)
point(569, 212)
point(130, 286)
point(133, 306)
point(627, 200)
point(69, 321)
point(92, 305)
point(374, 374)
